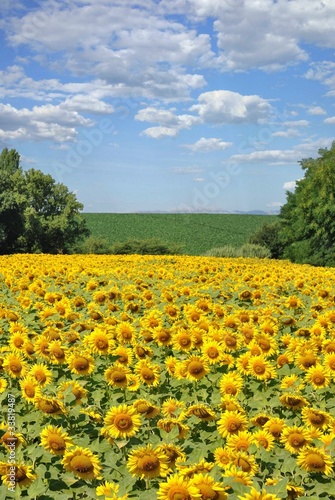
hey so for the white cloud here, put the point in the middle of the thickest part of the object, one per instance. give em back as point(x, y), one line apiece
point(199, 179)
point(160, 132)
point(274, 204)
point(316, 110)
point(208, 145)
point(41, 123)
point(330, 120)
point(224, 106)
point(290, 185)
point(289, 133)
point(297, 123)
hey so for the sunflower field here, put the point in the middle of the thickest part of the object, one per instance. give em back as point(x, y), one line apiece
point(168, 378)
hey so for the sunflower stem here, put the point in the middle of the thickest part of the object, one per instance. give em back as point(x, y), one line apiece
point(147, 483)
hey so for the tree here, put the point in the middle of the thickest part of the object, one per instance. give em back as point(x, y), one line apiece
point(308, 217)
point(36, 213)
point(268, 235)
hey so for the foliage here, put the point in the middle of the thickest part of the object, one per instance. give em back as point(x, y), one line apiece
point(197, 232)
point(308, 217)
point(221, 370)
point(36, 213)
point(151, 246)
point(93, 245)
point(247, 250)
point(267, 235)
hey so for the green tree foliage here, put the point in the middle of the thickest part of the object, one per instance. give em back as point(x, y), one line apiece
point(36, 213)
point(308, 218)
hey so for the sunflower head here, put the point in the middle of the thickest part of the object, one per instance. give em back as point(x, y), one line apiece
point(82, 463)
point(147, 462)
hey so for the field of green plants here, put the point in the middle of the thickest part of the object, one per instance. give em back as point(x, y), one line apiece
point(196, 232)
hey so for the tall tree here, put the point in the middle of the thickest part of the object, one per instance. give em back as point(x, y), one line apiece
point(308, 217)
point(36, 213)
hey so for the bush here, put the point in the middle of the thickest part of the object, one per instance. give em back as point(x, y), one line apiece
point(247, 250)
point(93, 245)
point(145, 247)
point(268, 236)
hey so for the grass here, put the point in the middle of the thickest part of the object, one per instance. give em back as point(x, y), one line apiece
point(197, 233)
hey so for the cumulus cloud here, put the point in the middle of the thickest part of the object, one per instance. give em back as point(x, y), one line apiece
point(224, 106)
point(169, 124)
point(316, 110)
point(290, 185)
point(160, 132)
point(289, 133)
point(46, 122)
point(208, 145)
point(330, 120)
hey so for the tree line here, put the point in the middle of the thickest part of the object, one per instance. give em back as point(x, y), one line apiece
point(37, 214)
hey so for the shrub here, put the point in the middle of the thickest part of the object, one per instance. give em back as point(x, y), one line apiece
point(247, 250)
point(145, 247)
point(93, 245)
point(268, 236)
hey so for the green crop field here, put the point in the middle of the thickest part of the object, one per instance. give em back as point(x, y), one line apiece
point(196, 232)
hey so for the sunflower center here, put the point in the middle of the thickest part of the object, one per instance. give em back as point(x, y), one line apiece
point(297, 440)
point(58, 353)
point(40, 377)
point(148, 463)
point(119, 376)
point(195, 368)
point(30, 392)
point(319, 378)
point(81, 464)
point(148, 374)
point(315, 461)
point(81, 364)
point(56, 443)
point(207, 493)
point(244, 464)
point(20, 476)
point(178, 493)
point(212, 353)
point(15, 367)
point(142, 408)
point(234, 426)
point(264, 345)
point(123, 422)
point(317, 419)
point(259, 369)
point(101, 344)
point(185, 341)
point(230, 341)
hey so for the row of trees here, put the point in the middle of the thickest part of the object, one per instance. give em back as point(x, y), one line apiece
point(305, 231)
point(36, 213)
point(39, 215)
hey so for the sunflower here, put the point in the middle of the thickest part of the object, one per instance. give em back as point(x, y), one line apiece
point(78, 391)
point(231, 422)
point(319, 376)
point(122, 421)
point(146, 409)
point(261, 368)
point(133, 382)
point(291, 381)
point(173, 454)
point(258, 495)
point(142, 351)
point(29, 389)
point(295, 438)
point(275, 426)
point(306, 359)
point(99, 341)
point(10, 439)
point(231, 383)
point(293, 401)
point(109, 490)
point(260, 419)
point(171, 407)
point(55, 440)
point(212, 351)
point(49, 406)
point(242, 363)
point(41, 373)
point(177, 487)
point(314, 459)
point(82, 462)
point(264, 439)
point(230, 403)
point(208, 487)
point(245, 461)
point(125, 333)
point(57, 352)
point(316, 418)
point(81, 363)
point(3, 385)
point(222, 457)
point(117, 375)
point(162, 336)
point(239, 441)
point(167, 424)
point(201, 411)
point(182, 340)
point(236, 475)
point(17, 340)
point(147, 462)
point(232, 341)
point(148, 373)
point(125, 354)
point(22, 476)
point(15, 365)
point(196, 367)
point(170, 364)
point(294, 491)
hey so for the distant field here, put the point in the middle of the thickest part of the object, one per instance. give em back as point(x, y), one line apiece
point(196, 232)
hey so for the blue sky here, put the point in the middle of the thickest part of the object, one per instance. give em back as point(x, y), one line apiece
point(168, 105)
